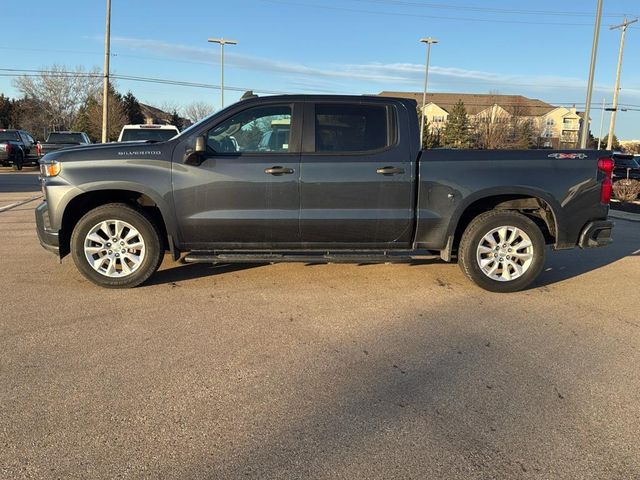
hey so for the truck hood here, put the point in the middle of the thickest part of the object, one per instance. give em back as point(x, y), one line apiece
point(111, 151)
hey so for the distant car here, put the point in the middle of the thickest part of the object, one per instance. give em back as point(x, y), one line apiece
point(140, 133)
point(625, 166)
point(58, 140)
point(18, 148)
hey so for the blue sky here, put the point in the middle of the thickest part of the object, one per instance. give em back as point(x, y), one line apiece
point(539, 49)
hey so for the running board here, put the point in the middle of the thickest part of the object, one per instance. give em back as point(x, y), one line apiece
point(213, 257)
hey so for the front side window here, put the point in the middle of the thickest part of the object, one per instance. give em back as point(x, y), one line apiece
point(350, 128)
point(256, 130)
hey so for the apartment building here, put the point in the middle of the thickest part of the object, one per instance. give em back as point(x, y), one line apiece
point(554, 127)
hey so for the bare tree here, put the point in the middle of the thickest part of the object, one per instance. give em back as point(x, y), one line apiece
point(196, 111)
point(60, 91)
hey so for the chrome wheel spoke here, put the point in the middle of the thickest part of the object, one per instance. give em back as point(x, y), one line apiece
point(113, 259)
point(505, 253)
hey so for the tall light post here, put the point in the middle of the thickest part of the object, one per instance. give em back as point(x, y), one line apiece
point(222, 43)
point(105, 82)
point(616, 89)
point(429, 41)
point(601, 123)
point(584, 132)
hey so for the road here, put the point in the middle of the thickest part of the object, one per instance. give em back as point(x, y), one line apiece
point(318, 372)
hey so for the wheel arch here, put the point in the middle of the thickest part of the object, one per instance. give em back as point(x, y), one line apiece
point(536, 204)
point(140, 198)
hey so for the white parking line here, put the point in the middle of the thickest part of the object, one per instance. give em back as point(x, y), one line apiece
point(17, 204)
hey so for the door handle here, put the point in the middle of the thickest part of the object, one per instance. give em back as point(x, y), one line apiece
point(278, 171)
point(390, 171)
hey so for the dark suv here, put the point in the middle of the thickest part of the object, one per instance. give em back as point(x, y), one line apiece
point(625, 166)
point(17, 148)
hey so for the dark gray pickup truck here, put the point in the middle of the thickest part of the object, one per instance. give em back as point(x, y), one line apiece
point(59, 140)
point(318, 179)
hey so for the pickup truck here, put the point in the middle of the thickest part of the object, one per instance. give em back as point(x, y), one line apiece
point(348, 183)
point(60, 140)
point(17, 148)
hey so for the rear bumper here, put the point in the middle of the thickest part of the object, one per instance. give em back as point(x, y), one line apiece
point(596, 234)
point(49, 239)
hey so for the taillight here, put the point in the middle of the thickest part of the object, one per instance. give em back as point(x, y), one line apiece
point(605, 165)
point(39, 149)
point(8, 149)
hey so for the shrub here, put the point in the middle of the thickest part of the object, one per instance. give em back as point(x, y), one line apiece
point(626, 190)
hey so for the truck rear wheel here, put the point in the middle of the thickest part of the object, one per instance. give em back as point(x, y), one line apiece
point(502, 251)
point(116, 246)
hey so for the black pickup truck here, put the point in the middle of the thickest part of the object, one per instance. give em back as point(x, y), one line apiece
point(18, 148)
point(319, 179)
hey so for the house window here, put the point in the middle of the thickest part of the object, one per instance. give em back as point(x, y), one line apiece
point(550, 122)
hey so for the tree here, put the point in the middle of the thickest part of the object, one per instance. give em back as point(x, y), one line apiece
point(132, 110)
point(615, 144)
point(6, 106)
point(29, 114)
point(89, 116)
point(631, 147)
point(196, 111)
point(456, 131)
point(175, 119)
point(60, 92)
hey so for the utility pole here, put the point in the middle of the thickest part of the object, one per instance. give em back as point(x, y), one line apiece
point(601, 122)
point(616, 89)
point(584, 133)
point(429, 41)
point(105, 86)
point(222, 43)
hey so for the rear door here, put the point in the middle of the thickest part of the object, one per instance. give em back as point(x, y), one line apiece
point(244, 194)
point(356, 177)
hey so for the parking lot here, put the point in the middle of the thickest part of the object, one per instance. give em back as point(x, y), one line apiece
point(316, 371)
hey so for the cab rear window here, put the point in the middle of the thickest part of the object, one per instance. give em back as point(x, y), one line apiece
point(6, 136)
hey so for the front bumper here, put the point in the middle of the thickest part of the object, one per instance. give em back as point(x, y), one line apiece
point(596, 234)
point(49, 239)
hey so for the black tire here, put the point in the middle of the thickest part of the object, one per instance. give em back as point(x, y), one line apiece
point(19, 161)
point(473, 236)
point(154, 251)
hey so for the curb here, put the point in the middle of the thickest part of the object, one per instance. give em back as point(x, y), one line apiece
point(17, 204)
point(632, 217)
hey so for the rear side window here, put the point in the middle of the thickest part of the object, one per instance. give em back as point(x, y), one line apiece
point(351, 128)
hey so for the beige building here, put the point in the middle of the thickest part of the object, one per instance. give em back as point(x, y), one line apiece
point(554, 127)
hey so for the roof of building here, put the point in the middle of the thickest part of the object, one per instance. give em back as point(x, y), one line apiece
point(477, 102)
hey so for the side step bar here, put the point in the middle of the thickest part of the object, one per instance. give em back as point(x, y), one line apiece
point(351, 257)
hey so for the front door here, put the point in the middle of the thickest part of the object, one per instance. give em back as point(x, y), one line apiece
point(356, 180)
point(244, 194)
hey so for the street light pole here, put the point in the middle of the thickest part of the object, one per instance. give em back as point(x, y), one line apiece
point(429, 41)
point(601, 122)
point(222, 43)
point(584, 133)
point(105, 82)
point(616, 89)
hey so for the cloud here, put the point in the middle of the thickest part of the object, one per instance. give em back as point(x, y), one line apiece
point(332, 76)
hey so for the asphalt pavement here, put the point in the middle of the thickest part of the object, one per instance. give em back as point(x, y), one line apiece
point(317, 371)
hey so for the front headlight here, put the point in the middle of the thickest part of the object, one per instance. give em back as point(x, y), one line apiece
point(50, 168)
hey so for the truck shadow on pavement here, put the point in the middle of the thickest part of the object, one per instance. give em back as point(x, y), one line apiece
point(566, 264)
point(18, 182)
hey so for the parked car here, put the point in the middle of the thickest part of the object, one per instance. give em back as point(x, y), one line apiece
point(155, 133)
point(349, 184)
point(58, 140)
point(18, 148)
point(625, 166)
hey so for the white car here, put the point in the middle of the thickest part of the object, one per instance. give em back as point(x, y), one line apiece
point(137, 133)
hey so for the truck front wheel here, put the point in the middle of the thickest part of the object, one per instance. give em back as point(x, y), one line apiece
point(116, 246)
point(502, 251)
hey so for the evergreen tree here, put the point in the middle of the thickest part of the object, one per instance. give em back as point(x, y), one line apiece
point(6, 106)
point(615, 144)
point(456, 132)
point(132, 109)
point(175, 119)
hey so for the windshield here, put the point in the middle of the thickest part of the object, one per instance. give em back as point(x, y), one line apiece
point(58, 137)
point(4, 136)
point(140, 134)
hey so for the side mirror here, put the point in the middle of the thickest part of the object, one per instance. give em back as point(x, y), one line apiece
point(195, 157)
point(201, 144)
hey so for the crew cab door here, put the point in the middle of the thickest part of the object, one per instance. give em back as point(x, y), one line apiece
point(243, 191)
point(357, 177)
